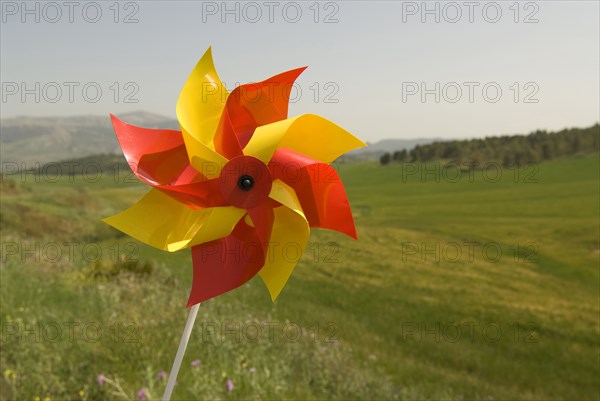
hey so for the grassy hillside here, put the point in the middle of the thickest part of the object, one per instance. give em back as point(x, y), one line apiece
point(471, 287)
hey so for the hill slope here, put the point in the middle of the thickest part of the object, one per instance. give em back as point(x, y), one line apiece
point(33, 140)
point(469, 288)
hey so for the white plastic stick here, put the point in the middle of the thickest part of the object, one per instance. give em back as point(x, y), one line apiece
point(185, 337)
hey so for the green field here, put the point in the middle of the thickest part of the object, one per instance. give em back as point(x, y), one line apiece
point(459, 288)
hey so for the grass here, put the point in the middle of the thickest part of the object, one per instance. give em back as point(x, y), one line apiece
point(473, 289)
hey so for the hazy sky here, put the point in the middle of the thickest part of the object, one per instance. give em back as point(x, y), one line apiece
point(495, 67)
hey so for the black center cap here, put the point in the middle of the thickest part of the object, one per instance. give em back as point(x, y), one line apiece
point(246, 183)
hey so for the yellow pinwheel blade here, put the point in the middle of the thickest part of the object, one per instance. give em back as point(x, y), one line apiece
point(284, 194)
point(199, 108)
point(201, 101)
point(162, 222)
point(204, 159)
point(289, 236)
point(309, 134)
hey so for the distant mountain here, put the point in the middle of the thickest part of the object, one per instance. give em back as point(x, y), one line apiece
point(32, 140)
point(47, 139)
point(375, 150)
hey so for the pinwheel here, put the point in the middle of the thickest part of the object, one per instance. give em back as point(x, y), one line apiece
point(241, 184)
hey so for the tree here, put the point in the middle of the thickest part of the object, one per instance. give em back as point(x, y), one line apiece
point(385, 159)
point(515, 150)
point(400, 156)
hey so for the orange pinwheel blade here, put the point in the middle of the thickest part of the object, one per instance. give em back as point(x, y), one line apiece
point(156, 156)
point(250, 106)
point(223, 265)
point(159, 158)
point(319, 190)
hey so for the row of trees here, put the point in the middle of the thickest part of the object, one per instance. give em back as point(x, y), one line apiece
point(508, 151)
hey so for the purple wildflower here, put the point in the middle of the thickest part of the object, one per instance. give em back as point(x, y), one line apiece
point(101, 379)
point(196, 363)
point(229, 385)
point(141, 394)
point(162, 375)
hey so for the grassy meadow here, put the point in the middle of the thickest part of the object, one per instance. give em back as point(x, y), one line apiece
point(478, 285)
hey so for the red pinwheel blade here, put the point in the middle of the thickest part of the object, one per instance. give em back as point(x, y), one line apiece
point(159, 158)
point(223, 265)
point(156, 156)
point(197, 195)
point(319, 190)
point(250, 106)
point(262, 218)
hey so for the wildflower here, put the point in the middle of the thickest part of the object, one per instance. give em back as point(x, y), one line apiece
point(37, 399)
point(162, 375)
point(252, 370)
point(196, 363)
point(141, 394)
point(7, 372)
point(101, 379)
point(47, 399)
point(81, 393)
point(229, 385)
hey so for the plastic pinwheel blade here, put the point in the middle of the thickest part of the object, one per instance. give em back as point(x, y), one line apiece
point(240, 183)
